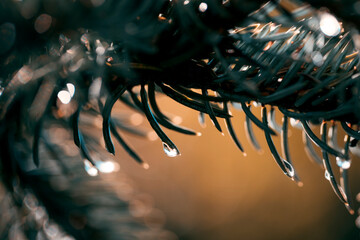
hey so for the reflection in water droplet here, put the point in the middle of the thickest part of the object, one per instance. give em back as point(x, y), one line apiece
point(90, 169)
point(343, 163)
point(327, 175)
point(171, 152)
point(289, 168)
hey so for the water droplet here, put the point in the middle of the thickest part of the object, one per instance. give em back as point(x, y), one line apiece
point(244, 68)
point(203, 7)
point(64, 96)
point(171, 152)
point(290, 169)
point(327, 175)
point(90, 169)
point(186, 2)
point(343, 163)
point(329, 25)
point(107, 166)
point(71, 89)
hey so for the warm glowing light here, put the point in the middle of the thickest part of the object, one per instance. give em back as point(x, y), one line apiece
point(64, 96)
point(186, 2)
point(329, 25)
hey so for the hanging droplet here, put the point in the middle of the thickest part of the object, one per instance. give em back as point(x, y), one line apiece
point(290, 169)
point(327, 175)
point(171, 152)
point(343, 163)
point(90, 169)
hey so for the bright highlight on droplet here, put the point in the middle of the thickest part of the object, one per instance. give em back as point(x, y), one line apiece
point(329, 25)
point(64, 96)
point(71, 89)
point(171, 152)
point(90, 169)
point(343, 163)
point(107, 166)
point(203, 7)
point(244, 68)
point(290, 169)
point(186, 2)
point(327, 175)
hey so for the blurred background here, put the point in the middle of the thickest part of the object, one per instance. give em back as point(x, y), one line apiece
point(214, 192)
